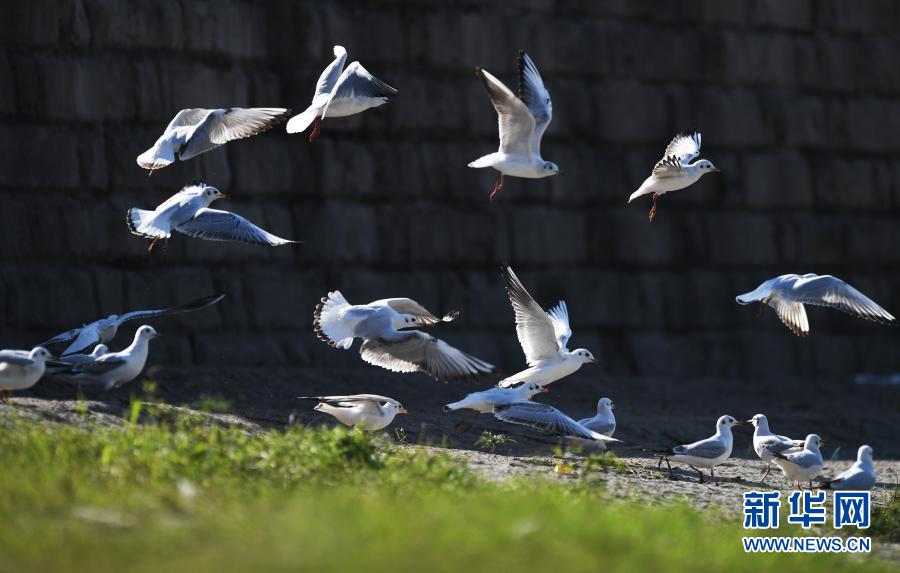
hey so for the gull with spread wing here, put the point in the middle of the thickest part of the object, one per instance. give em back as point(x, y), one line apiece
point(188, 213)
point(675, 170)
point(543, 336)
point(706, 453)
point(604, 421)
point(64, 363)
point(387, 343)
point(115, 368)
point(485, 401)
point(788, 293)
point(805, 464)
point(766, 444)
point(339, 94)
point(21, 369)
point(548, 419)
point(522, 120)
point(859, 477)
point(198, 130)
point(368, 411)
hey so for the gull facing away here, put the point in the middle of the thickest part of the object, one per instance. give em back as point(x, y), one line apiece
point(547, 418)
point(604, 422)
point(766, 444)
point(706, 453)
point(339, 94)
point(188, 213)
point(543, 337)
point(674, 171)
point(115, 368)
point(386, 342)
point(104, 329)
point(485, 401)
point(65, 362)
point(788, 293)
point(368, 411)
point(860, 476)
point(198, 130)
point(21, 369)
point(522, 120)
point(805, 464)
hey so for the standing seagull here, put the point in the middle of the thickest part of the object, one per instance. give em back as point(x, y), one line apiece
point(547, 418)
point(673, 171)
point(522, 121)
point(788, 293)
point(104, 329)
point(369, 411)
point(341, 94)
point(116, 368)
point(766, 444)
point(543, 337)
point(195, 131)
point(21, 369)
point(706, 453)
point(860, 476)
point(805, 464)
point(604, 421)
point(188, 212)
point(386, 343)
point(485, 401)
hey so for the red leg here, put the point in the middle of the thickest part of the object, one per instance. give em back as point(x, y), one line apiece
point(498, 187)
point(314, 134)
point(653, 209)
point(766, 474)
point(3, 397)
point(761, 311)
point(152, 244)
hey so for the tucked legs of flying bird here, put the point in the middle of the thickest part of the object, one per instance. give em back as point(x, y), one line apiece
point(761, 310)
point(466, 423)
point(653, 208)
point(498, 187)
point(314, 134)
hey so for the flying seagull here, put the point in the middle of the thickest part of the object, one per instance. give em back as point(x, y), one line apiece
point(766, 444)
point(788, 293)
point(805, 464)
point(706, 453)
point(198, 130)
point(188, 213)
point(369, 411)
point(485, 401)
point(674, 171)
point(543, 337)
point(860, 476)
point(604, 422)
point(21, 369)
point(387, 343)
point(522, 120)
point(115, 368)
point(104, 329)
point(339, 94)
point(547, 418)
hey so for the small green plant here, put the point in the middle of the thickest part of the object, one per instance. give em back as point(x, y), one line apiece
point(886, 519)
point(213, 404)
point(488, 441)
point(400, 435)
point(604, 462)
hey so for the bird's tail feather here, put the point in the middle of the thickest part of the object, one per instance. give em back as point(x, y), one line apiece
point(140, 222)
point(484, 161)
point(327, 321)
point(156, 157)
point(299, 123)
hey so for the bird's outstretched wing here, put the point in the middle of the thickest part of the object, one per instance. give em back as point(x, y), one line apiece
point(216, 225)
point(684, 146)
point(223, 125)
point(536, 97)
point(357, 82)
point(515, 121)
point(535, 328)
point(196, 304)
point(416, 351)
point(329, 77)
point(547, 418)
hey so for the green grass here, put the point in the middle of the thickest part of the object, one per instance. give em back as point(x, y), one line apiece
point(886, 519)
point(183, 495)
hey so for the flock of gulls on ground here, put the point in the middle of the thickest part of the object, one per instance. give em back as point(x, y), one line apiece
point(392, 329)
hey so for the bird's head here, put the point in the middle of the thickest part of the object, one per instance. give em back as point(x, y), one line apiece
point(406, 321)
point(759, 420)
point(392, 408)
point(210, 194)
point(529, 389)
point(865, 454)
point(605, 405)
point(551, 168)
point(727, 421)
point(146, 332)
point(40, 354)
point(583, 355)
point(706, 166)
point(813, 442)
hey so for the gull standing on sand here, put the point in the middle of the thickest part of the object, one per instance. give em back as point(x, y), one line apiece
point(21, 369)
point(674, 171)
point(604, 421)
point(543, 337)
point(522, 121)
point(341, 94)
point(115, 368)
point(788, 293)
point(766, 444)
point(198, 130)
point(369, 411)
point(860, 476)
point(188, 212)
point(104, 329)
point(706, 453)
point(485, 401)
point(386, 342)
point(547, 418)
point(805, 464)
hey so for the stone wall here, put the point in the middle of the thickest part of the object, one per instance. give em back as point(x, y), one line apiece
point(798, 102)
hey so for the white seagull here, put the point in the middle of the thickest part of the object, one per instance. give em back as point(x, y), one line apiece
point(104, 329)
point(604, 421)
point(522, 121)
point(198, 130)
point(485, 401)
point(341, 94)
point(788, 293)
point(860, 476)
point(386, 342)
point(188, 212)
point(765, 443)
point(369, 411)
point(706, 453)
point(21, 369)
point(805, 464)
point(543, 337)
point(547, 418)
point(63, 363)
point(674, 171)
point(115, 368)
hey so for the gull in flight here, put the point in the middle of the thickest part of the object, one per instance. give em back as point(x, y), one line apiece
point(104, 329)
point(765, 443)
point(368, 411)
point(63, 363)
point(860, 476)
point(788, 293)
point(188, 213)
point(522, 120)
point(805, 464)
point(197, 130)
point(21, 369)
point(485, 401)
point(543, 337)
point(548, 419)
point(706, 453)
point(674, 171)
point(604, 422)
point(339, 94)
point(387, 343)
point(115, 368)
